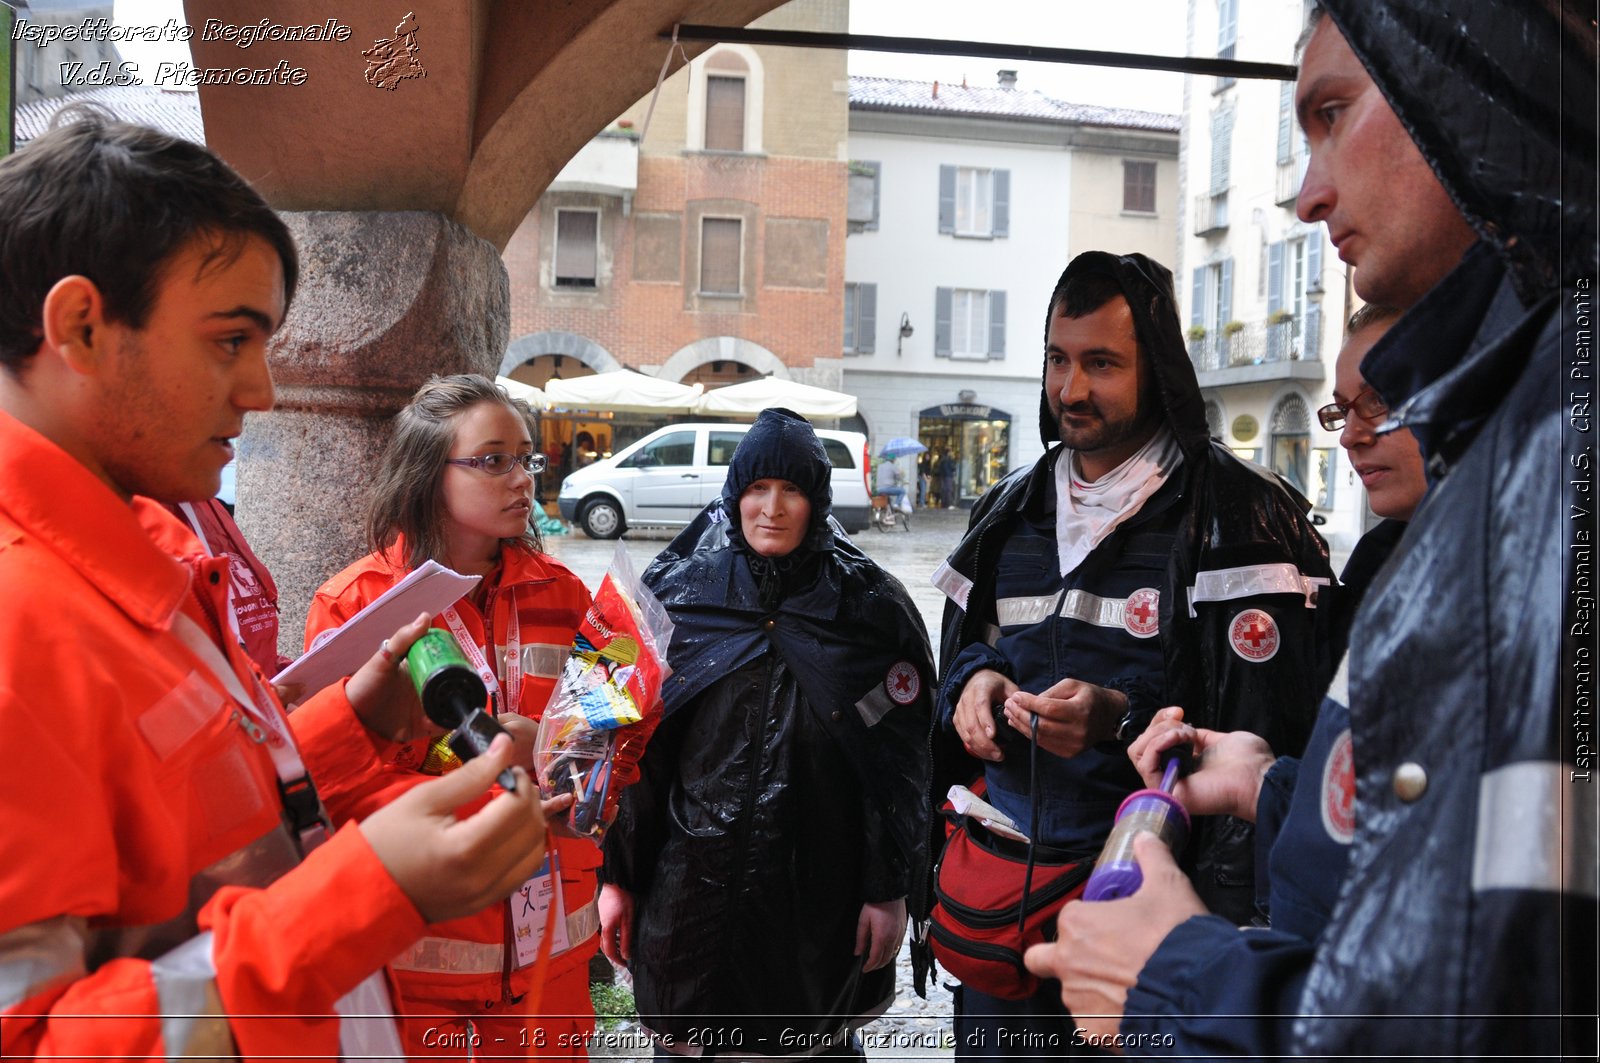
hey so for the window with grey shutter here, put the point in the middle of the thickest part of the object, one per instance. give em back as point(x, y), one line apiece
point(1139, 187)
point(1275, 277)
point(866, 318)
point(947, 199)
point(1227, 36)
point(997, 324)
point(862, 211)
point(577, 238)
point(1311, 342)
point(1227, 291)
point(941, 321)
point(1002, 203)
point(719, 255)
point(1314, 260)
point(1197, 304)
point(724, 113)
point(1285, 122)
point(1221, 149)
point(850, 297)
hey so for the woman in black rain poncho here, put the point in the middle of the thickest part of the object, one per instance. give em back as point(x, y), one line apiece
point(758, 871)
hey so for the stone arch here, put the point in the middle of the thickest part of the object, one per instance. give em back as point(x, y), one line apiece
point(1216, 423)
point(722, 349)
point(570, 344)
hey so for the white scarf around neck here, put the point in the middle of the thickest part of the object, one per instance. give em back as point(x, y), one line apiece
point(1088, 512)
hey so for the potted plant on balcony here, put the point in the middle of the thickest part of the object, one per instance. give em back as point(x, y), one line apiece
point(1197, 333)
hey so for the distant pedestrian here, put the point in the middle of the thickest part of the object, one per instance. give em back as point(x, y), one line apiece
point(946, 470)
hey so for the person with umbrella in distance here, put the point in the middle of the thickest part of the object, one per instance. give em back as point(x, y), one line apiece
point(891, 478)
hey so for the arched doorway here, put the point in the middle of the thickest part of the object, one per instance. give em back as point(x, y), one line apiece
point(1291, 442)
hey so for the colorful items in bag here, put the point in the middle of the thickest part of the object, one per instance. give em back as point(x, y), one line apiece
point(608, 701)
point(981, 924)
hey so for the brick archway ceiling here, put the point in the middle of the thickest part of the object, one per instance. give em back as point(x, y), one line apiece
point(511, 92)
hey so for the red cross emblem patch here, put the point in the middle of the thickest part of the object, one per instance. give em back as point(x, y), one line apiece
point(1339, 790)
point(903, 684)
point(1141, 613)
point(1254, 636)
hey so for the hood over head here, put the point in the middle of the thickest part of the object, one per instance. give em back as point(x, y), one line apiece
point(1147, 285)
point(782, 445)
point(1499, 98)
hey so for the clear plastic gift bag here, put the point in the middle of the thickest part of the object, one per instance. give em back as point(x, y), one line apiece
point(608, 701)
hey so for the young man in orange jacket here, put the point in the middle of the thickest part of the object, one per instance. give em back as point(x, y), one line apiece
point(171, 885)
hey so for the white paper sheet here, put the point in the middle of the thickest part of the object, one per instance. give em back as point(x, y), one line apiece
point(429, 588)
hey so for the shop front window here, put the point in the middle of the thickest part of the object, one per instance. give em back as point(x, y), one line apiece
point(969, 449)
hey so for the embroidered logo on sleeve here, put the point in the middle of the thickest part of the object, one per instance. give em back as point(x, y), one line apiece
point(903, 684)
point(1254, 636)
point(1141, 614)
point(1339, 790)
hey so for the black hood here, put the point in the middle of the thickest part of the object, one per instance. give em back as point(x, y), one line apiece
point(1147, 285)
point(1499, 98)
point(782, 445)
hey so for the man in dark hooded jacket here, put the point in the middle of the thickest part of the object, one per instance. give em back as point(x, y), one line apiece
point(1137, 565)
point(1463, 923)
point(758, 872)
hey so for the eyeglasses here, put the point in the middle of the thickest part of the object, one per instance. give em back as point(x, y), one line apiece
point(501, 464)
point(1367, 405)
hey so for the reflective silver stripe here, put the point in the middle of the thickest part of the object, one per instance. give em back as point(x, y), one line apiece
point(193, 1025)
point(37, 956)
point(1010, 612)
point(1339, 689)
point(367, 1027)
point(1093, 609)
point(453, 956)
point(991, 635)
point(1536, 831)
point(544, 660)
point(584, 923)
point(955, 586)
point(1075, 605)
point(1246, 581)
point(875, 706)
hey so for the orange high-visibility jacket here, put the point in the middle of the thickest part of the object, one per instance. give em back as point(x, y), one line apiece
point(149, 874)
point(473, 958)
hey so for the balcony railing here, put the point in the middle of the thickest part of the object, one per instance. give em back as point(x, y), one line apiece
point(1210, 212)
point(1258, 343)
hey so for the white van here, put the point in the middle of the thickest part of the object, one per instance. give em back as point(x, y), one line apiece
point(667, 477)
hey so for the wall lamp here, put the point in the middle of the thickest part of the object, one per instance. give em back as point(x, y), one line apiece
point(905, 334)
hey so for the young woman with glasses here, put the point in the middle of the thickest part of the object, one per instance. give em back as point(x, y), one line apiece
point(456, 486)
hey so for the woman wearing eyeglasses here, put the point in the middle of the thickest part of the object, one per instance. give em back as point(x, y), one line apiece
point(456, 486)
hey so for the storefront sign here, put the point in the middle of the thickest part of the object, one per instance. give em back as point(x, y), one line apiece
point(966, 411)
point(1245, 428)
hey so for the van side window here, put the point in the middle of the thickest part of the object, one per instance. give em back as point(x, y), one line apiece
point(674, 448)
point(723, 444)
point(838, 452)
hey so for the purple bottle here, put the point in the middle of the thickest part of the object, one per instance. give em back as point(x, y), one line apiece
point(1116, 873)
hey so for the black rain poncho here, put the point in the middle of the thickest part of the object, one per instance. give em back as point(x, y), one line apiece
point(786, 786)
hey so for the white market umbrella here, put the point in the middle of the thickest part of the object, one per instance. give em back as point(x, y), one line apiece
point(623, 391)
point(753, 396)
point(526, 392)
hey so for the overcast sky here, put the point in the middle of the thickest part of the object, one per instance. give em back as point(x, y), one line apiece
point(1150, 26)
point(1154, 27)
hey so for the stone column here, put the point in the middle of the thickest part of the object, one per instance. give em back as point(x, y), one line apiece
point(385, 300)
